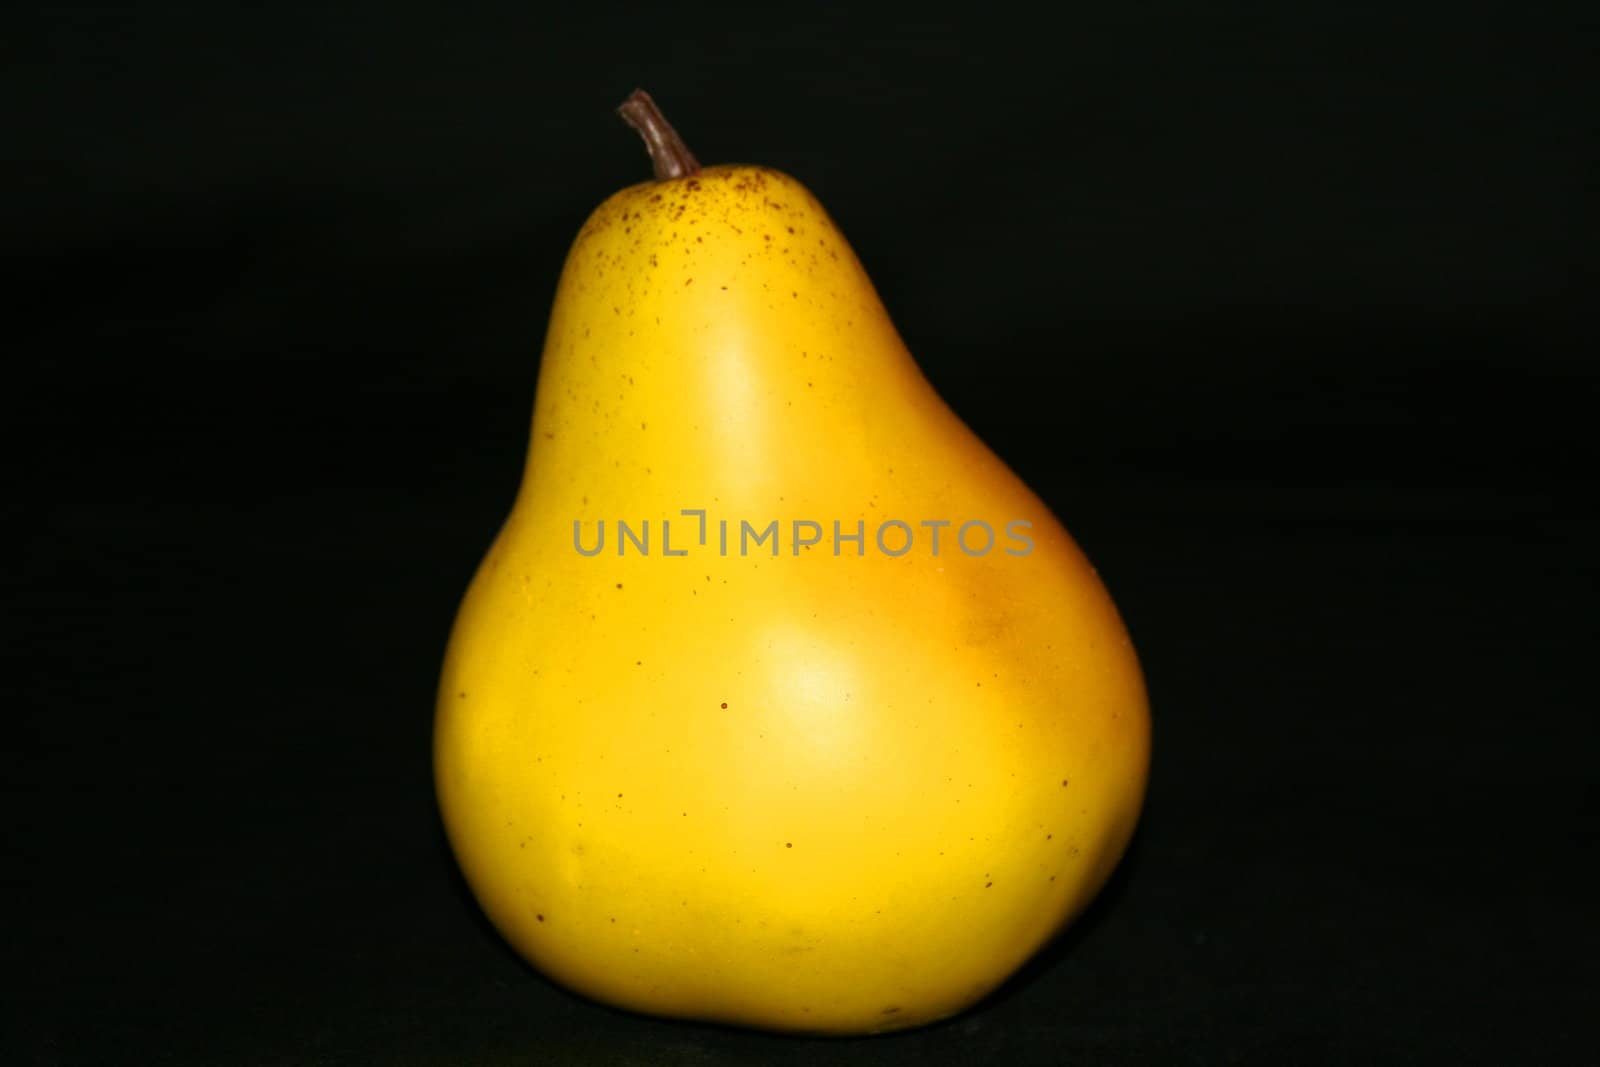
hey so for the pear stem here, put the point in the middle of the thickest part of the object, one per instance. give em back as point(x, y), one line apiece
point(670, 156)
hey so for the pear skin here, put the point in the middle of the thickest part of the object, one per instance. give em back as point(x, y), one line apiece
point(825, 786)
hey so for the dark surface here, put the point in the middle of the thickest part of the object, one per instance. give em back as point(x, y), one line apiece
point(1285, 316)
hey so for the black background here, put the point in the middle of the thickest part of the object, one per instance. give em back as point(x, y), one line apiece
point(1287, 315)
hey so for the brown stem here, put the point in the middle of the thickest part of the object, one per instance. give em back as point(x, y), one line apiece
point(671, 157)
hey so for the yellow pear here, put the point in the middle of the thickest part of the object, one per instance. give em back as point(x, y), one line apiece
point(779, 700)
